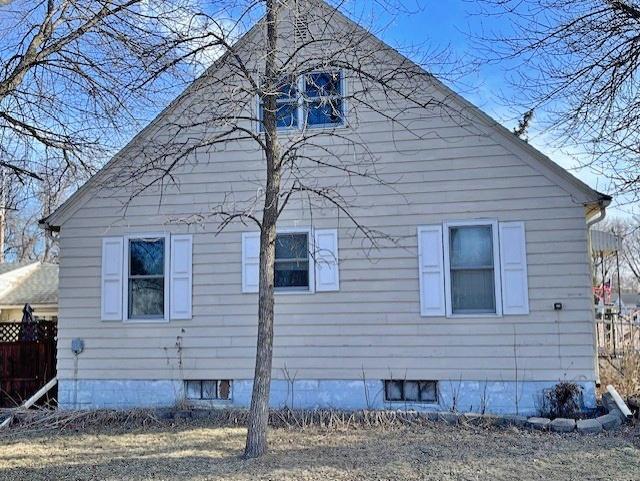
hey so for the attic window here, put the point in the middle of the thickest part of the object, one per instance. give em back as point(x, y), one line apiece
point(315, 100)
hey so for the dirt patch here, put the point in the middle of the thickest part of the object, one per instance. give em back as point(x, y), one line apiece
point(199, 451)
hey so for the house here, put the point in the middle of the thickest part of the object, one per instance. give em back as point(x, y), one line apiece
point(33, 283)
point(481, 300)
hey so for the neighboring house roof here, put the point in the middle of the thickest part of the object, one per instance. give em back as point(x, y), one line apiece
point(584, 193)
point(12, 266)
point(33, 283)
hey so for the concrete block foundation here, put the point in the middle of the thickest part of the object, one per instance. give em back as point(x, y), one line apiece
point(497, 397)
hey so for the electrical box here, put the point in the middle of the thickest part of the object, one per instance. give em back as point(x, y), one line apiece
point(77, 346)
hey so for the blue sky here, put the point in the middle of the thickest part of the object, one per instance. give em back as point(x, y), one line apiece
point(453, 24)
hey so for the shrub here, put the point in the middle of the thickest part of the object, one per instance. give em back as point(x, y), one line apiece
point(562, 401)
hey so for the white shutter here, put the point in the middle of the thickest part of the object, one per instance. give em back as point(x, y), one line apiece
point(513, 268)
point(111, 285)
point(181, 276)
point(250, 261)
point(326, 257)
point(430, 258)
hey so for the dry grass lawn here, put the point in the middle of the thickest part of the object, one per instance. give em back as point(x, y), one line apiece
point(197, 451)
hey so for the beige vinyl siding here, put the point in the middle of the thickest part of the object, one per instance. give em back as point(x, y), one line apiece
point(373, 322)
point(446, 168)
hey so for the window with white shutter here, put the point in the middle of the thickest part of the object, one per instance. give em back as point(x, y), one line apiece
point(112, 278)
point(513, 265)
point(146, 277)
point(473, 268)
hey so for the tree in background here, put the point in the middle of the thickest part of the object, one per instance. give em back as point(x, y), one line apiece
point(577, 61)
point(77, 77)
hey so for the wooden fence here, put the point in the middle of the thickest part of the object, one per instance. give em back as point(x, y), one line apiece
point(27, 360)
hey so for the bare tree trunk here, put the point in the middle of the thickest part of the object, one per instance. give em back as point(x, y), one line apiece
point(259, 412)
point(3, 217)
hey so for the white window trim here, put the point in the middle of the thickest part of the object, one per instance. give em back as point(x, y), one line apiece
point(312, 261)
point(496, 266)
point(167, 278)
point(302, 118)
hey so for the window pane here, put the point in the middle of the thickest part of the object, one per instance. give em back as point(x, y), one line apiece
point(473, 291)
point(323, 84)
point(146, 257)
point(292, 246)
point(287, 91)
point(324, 112)
point(224, 389)
point(193, 389)
point(209, 389)
point(411, 391)
point(292, 274)
point(286, 116)
point(146, 297)
point(393, 390)
point(471, 246)
point(428, 391)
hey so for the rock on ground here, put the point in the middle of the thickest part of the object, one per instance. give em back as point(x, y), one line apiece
point(563, 425)
point(610, 421)
point(539, 423)
point(589, 426)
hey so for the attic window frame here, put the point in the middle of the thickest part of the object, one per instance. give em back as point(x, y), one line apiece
point(302, 102)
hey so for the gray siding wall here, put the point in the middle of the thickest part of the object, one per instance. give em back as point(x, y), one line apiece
point(372, 326)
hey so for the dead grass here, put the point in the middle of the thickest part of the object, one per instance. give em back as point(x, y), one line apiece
point(623, 373)
point(202, 451)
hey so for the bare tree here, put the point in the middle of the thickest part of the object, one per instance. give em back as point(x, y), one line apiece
point(303, 61)
point(575, 62)
point(76, 78)
point(628, 231)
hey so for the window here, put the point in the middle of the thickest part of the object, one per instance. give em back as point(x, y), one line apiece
point(323, 99)
point(146, 278)
point(286, 107)
point(292, 261)
point(411, 391)
point(207, 390)
point(318, 98)
point(472, 268)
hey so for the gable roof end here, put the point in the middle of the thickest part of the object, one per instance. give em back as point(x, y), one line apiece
point(574, 186)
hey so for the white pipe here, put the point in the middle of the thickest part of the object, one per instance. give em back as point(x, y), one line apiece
point(32, 400)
